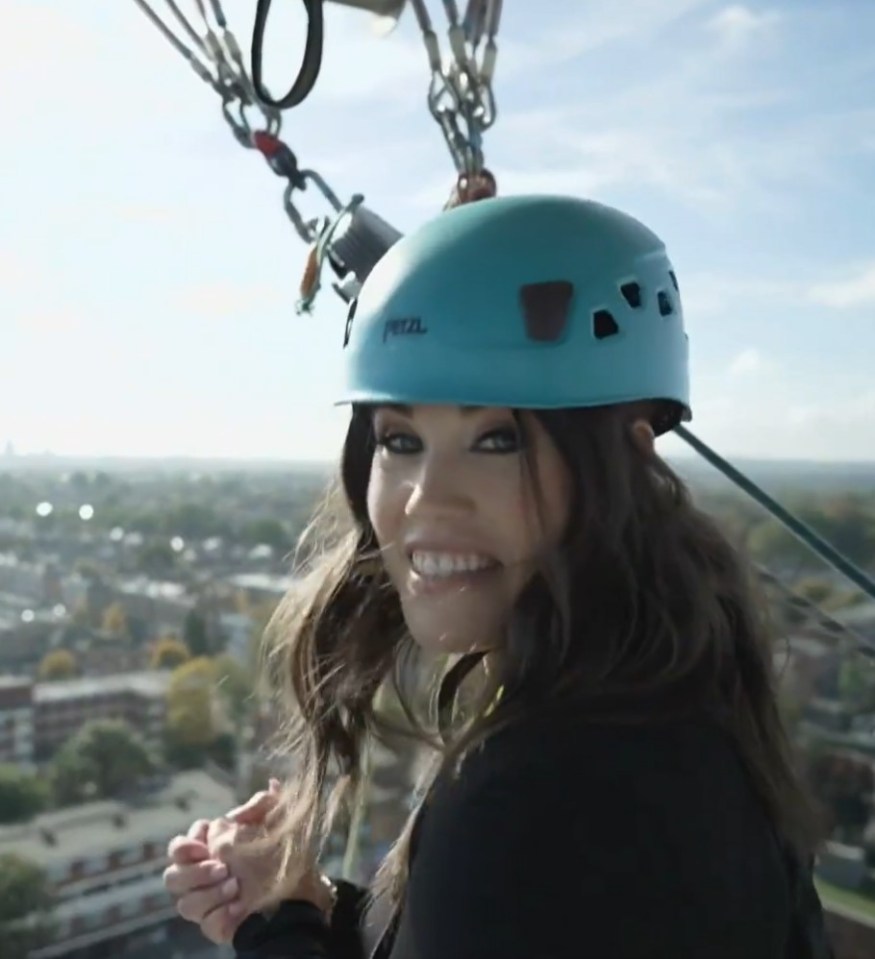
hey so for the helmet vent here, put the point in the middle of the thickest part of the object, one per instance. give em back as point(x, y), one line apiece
point(674, 280)
point(666, 308)
point(632, 293)
point(604, 325)
point(546, 308)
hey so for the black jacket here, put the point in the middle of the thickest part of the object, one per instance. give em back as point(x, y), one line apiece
point(564, 840)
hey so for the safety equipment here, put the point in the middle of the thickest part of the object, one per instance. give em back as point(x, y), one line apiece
point(531, 302)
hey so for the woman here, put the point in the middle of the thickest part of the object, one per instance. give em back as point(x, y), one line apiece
point(612, 778)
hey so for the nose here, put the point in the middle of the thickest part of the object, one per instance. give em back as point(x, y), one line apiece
point(439, 489)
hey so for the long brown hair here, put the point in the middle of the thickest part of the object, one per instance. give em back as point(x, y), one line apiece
point(644, 610)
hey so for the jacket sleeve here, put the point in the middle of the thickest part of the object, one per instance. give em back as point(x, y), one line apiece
point(298, 930)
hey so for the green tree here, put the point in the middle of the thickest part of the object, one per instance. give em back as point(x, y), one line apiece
point(157, 558)
point(169, 653)
point(22, 795)
point(195, 634)
point(25, 894)
point(104, 758)
point(58, 664)
point(270, 532)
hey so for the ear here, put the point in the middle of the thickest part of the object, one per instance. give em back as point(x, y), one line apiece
point(643, 436)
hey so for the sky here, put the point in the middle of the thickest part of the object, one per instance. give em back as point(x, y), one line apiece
point(148, 274)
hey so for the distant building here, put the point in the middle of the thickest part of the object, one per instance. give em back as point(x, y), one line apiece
point(104, 861)
point(258, 587)
point(16, 722)
point(62, 708)
point(37, 718)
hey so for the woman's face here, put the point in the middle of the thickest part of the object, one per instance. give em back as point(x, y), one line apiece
point(456, 517)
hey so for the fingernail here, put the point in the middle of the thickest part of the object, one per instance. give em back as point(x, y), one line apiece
point(235, 909)
point(219, 871)
point(230, 887)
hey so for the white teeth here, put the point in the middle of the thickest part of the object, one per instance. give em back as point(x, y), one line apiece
point(448, 564)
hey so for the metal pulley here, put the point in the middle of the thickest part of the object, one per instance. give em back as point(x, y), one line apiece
point(359, 243)
point(352, 242)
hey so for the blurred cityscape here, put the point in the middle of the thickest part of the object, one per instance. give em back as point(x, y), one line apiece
point(132, 599)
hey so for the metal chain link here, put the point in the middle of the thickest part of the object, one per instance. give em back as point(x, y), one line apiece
point(460, 95)
point(216, 57)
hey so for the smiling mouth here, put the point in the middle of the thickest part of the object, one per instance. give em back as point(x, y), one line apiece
point(433, 570)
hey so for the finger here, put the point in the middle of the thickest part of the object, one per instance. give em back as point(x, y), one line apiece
point(198, 830)
point(199, 903)
point(180, 880)
point(183, 850)
point(254, 810)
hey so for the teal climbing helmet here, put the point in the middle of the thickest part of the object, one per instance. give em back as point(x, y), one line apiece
point(530, 302)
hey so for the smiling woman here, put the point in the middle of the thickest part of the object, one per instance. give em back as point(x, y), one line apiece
point(455, 514)
point(612, 776)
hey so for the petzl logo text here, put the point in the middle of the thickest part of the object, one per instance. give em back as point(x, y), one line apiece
point(406, 326)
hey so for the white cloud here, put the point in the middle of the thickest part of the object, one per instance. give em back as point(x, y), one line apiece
point(853, 291)
point(748, 362)
point(737, 25)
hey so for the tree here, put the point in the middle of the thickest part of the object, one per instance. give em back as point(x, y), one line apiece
point(191, 713)
point(195, 634)
point(169, 653)
point(22, 795)
point(58, 664)
point(115, 620)
point(72, 777)
point(270, 532)
point(25, 894)
point(157, 558)
point(235, 684)
point(104, 758)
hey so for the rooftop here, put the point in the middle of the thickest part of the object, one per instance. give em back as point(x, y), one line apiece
point(147, 683)
point(98, 828)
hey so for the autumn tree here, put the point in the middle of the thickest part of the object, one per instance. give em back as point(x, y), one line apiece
point(235, 684)
point(115, 620)
point(57, 664)
point(169, 652)
point(191, 711)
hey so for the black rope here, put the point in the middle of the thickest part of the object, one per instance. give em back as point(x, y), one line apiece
point(310, 64)
point(799, 529)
